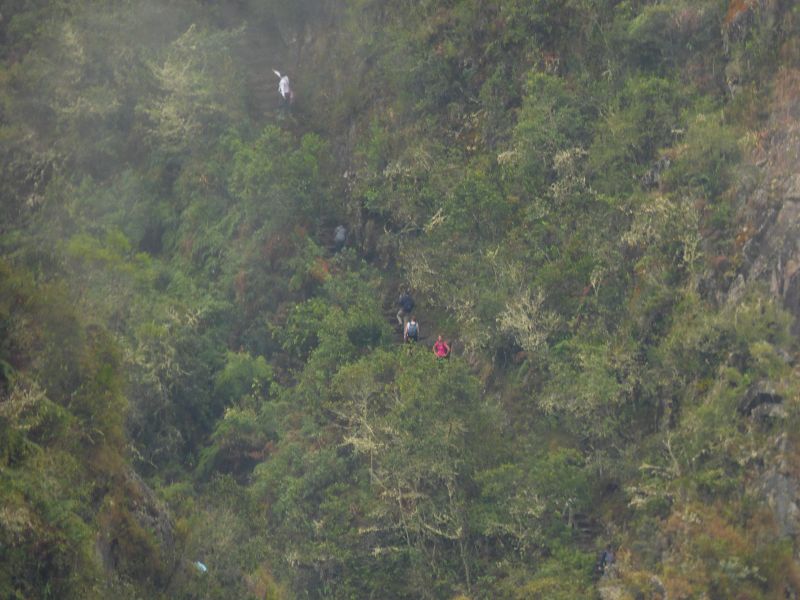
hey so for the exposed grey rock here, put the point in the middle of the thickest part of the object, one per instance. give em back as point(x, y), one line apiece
point(737, 289)
point(770, 215)
point(780, 489)
point(152, 517)
point(781, 494)
point(652, 178)
point(768, 413)
point(757, 396)
point(658, 587)
point(792, 188)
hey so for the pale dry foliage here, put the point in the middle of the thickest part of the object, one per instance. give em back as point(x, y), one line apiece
point(17, 521)
point(91, 103)
point(195, 77)
point(26, 406)
point(571, 183)
point(664, 220)
point(528, 322)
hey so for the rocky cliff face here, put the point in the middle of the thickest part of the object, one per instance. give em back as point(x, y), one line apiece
point(137, 535)
point(770, 253)
point(770, 219)
point(778, 485)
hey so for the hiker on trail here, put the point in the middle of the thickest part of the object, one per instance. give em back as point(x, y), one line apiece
point(440, 348)
point(406, 303)
point(411, 333)
point(605, 561)
point(339, 238)
point(284, 87)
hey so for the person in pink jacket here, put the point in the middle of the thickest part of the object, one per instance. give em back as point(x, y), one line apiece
point(440, 348)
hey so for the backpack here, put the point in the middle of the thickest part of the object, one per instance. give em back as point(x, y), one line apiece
point(412, 329)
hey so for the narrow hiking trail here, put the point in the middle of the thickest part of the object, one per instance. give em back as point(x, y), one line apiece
point(258, 55)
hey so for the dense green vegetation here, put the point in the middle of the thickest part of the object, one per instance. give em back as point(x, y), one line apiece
point(189, 372)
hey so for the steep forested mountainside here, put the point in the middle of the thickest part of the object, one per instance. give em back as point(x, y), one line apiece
point(597, 202)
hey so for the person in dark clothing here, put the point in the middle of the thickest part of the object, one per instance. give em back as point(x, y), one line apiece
point(406, 303)
point(604, 561)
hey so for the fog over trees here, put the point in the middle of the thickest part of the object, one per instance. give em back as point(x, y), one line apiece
point(204, 388)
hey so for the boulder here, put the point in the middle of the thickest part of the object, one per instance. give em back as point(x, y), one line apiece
point(758, 396)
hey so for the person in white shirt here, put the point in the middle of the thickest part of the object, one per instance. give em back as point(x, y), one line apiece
point(284, 87)
point(411, 333)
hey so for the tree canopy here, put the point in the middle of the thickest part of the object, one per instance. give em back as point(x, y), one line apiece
point(593, 201)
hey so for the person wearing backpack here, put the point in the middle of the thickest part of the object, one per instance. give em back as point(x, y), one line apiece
point(411, 333)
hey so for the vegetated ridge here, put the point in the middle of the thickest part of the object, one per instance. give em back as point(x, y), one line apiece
point(205, 394)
